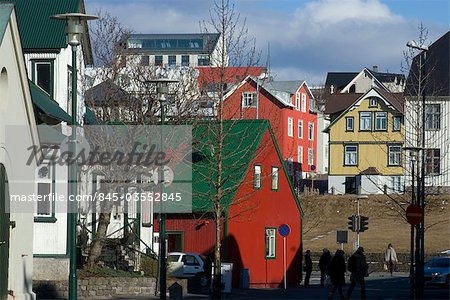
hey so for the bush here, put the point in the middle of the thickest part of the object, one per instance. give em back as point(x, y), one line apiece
point(149, 265)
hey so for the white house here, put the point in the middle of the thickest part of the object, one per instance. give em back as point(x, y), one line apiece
point(16, 178)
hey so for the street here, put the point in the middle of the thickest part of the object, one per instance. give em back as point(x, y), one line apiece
point(378, 286)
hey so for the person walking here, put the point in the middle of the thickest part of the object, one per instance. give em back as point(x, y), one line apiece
point(390, 258)
point(308, 267)
point(324, 261)
point(336, 271)
point(359, 268)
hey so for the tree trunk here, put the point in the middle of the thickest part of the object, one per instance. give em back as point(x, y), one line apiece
point(97, 244)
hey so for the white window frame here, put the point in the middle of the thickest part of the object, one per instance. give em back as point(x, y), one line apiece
point(270, 242)
point(248, 99)
point(347, 125)
point(433, 115)
point(395, 155)
point(396, 123)
point(290, 129)
point(311, 131)
point(365, 121)
point(381, 121)
point(303, 102)
point(300, 129)
point(49, 180)
point(257, 176)
point(300, 154)
point(310, 156)
point(350, 157)
point(297, 101)
point(274, 178)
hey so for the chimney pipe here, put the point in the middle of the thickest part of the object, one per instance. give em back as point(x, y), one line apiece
point(375, 68)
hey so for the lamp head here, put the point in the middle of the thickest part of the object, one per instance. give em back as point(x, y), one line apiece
point(413, 44)
point(74, 27)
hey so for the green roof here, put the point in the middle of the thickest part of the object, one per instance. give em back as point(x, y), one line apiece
point(240, 143)
point(90, 118)
point(37, 30)
point(47, 105)
point(5, 13)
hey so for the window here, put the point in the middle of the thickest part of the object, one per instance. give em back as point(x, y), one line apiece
point(290, 127)
point(394, 155)
point(300, 129)
point(432, 117)
point(172, 60)
point(310, 156)
point(311, 103)
point(274, 178)
point(290, 166)
point(257, 177)
point(310, 131)
point(433, 161)
point(351, 155)
point(300, 154)
point(203, 60)
point(373, 102)
point(381, 121)
point(158, 60)
point(397, 123)
point(69, 90)
point(270, 243)
point(297, 101)
point(303, 102)
point(43, 75)
point(349, 123)
point(185, 60)
point(248, 99)
point(365, 121)
point(190, 260)
point(396, 183)
point(145, 60)
point(45, 183)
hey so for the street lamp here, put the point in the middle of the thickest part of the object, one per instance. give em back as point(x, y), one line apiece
point(162, 89)
point(263, 76)
point(358, 198)
point(74, 30)
point(421, 246)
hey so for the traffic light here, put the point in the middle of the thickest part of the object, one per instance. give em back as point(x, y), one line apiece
point(363, 223)
point(352, 223)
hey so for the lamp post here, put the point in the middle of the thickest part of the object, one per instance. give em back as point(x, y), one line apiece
point(74, 30)
point(358, 217)
point(421, 245)
point(162, 89)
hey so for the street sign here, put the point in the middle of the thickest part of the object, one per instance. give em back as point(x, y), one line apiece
point(284, 230)
point(342, 236)
point(313, 168)
point(414, 214)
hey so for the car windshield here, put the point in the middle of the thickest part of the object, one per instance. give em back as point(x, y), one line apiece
point(173, 258)
point(439, 263)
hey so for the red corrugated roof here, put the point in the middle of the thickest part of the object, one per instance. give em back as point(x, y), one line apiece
point(232, 75)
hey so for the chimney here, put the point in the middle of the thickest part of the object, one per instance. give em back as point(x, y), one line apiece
point(375, 69)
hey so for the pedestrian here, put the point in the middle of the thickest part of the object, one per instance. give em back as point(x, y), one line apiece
point(336, 271)
point(207, 267)
point(308, 267)
point(324, 261)
point(390, 258)
point(359, 268)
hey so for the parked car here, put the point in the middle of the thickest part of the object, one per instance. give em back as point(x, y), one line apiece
point(185, 264)
point(437, 270)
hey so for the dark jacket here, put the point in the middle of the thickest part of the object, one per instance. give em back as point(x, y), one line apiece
point(336, 270)
point(308, 263)
point(324, 261)
point(358, 266)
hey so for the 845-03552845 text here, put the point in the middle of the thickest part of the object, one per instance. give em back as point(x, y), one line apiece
point(100, 196)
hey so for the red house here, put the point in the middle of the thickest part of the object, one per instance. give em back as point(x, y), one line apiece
point(259, 198)
point(289, 106)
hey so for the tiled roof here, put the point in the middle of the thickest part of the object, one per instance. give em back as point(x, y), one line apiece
point(232, 75)
point(437, 67)
point(37, 30)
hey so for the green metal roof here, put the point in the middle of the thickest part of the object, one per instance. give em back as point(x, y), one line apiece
point(241, 141)
point(90, 118)
point(37, 30)
point(47, 105)
point(5, 13)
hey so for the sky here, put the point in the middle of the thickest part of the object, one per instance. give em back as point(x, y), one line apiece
point(307, 38)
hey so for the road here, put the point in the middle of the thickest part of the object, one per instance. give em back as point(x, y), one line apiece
point(378, 286)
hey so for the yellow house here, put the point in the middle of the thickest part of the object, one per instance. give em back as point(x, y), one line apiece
point(366, 137)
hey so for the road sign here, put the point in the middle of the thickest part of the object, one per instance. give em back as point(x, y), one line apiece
point(342, 236)
point(313, 168)
point(414, 214)
point(284, 230)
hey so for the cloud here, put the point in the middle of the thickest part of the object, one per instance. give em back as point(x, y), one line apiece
point(307, 38)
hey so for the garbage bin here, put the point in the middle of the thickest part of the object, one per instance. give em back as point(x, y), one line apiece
point(244, 278)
